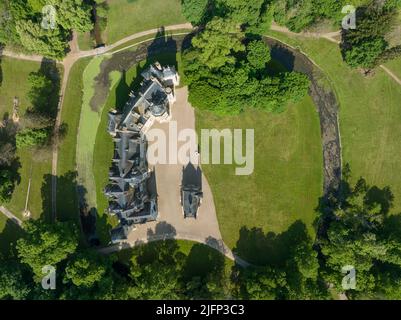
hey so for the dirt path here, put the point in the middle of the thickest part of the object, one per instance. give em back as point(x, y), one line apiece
point(391, 74)
point(327, 35)
point(331, 36)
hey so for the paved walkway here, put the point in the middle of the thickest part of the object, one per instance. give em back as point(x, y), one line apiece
point(11, 216)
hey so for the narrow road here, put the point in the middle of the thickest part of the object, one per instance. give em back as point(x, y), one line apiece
point(11, 216)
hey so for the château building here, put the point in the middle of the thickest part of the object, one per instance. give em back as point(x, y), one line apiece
point(130, 198)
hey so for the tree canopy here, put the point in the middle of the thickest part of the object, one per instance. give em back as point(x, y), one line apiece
point(46, 244)
point(21, 25)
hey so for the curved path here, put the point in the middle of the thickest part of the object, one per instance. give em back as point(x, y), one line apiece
point(331, 36)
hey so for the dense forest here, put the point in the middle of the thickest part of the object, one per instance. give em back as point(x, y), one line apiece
point(26, 26)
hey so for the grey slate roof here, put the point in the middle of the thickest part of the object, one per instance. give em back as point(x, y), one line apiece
point(129, 197)
point(191, 198)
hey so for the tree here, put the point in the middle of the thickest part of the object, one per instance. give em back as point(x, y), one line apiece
point(74, 15)
point(357, 236)
point(156, 281)
point(260, 283)
point(258, 54)
point(365, 53)
point(31, 137)
point(243, 11)
point(85, 269)
point(44, 93)
point(12, 284)
point(6, 185)
point(217, 43)
point(46, 244)
point(20, 25)
point(194, 10)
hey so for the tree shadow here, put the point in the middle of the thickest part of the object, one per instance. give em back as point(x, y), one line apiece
point(46, 193)
point(8, 237)
point(335, 198)
point(156, 249)
point(163, 48)
point(191, 176)
point(66, 195)
point(47, 106)
point(269, 249)
point(122, 92)
point(382, 197)
point(162, 230)
point(9, 162)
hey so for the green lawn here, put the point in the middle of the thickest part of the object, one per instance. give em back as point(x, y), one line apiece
point(103, 148)
point(287, 179)
point(14, 83)
point(35, 165)
point(127, 17)
point(38, 167)
point(67, 206)
point(395, 66)
point(85, 41)
point(370, 116)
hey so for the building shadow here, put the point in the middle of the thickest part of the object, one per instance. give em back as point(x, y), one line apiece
point(162, 48)
point(152, 184)
point(191, 175)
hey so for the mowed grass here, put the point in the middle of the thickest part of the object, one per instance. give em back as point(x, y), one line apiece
point(67, 206)
point(15, 83)
point(369, 115)
point(127, 17)
point(34, 165)
point(287, 178)
point(87, 130)
point(395, 66)
point(37, 167)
